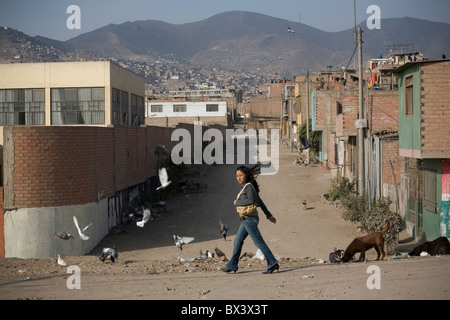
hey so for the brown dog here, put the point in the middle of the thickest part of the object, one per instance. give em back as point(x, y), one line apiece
point(362, 244)
point(304, 206)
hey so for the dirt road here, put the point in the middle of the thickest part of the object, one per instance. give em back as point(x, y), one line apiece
point(151, 267)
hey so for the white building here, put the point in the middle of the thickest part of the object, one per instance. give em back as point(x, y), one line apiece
point(165, 113)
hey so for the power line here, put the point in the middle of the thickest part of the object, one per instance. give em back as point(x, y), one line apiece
point(354, 50)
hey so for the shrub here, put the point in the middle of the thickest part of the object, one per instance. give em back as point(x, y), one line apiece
point(314, 137)
point(373, 219)
point(341, 188)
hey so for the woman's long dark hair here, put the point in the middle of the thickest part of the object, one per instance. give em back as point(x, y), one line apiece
point(251, 174)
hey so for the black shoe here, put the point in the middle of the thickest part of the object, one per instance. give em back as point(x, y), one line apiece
point(227, 270)
point(271, 270)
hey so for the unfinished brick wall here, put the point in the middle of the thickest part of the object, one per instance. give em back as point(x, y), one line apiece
point(390, 152)
point(57, 166)
point(345, 122)
point(48, 165)
point(382, 111)
point(435, 97)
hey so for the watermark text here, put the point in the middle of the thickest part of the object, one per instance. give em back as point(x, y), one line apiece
point(74, 20)
point(374, 21)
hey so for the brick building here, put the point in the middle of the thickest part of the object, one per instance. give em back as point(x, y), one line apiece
point(334, 113)
point(425, 146)
point(270, 109)
point(52, 173)
point(73, 144)
point(57, 151)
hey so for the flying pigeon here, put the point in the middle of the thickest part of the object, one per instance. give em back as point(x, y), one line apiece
point(80, 232)
point(223, 228)
point(307, 145)
point(63, 235)
point(112, 254)
point(163, 178)
point(145, 218)
point(180, 241)
point(61, 262)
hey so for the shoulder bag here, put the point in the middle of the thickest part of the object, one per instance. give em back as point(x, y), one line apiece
point(248, 209)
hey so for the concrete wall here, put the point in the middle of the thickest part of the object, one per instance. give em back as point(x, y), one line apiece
point(29, 232)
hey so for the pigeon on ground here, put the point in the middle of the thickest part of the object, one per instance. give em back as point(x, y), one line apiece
point(163, 178)
point(219, 252)
point(112, 254)
point(180, 241)
point(205, 255)
point(80, 232)
point(145, 218)
point(61, 262)
point(223, 228)
point(63, 235)
point(128, 218)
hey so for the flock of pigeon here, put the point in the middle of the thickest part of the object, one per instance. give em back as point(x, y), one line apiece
point(111, 253)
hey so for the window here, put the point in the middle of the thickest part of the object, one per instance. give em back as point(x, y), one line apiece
point(212, 108)
point(338, 107)
point(140, 117)
point(409, 96)
point(22, 107)
point(124, 107)
point(179, 108)
point(156, 108)
point(115, 107)
point(134, 110)
point(119, 107)
point(78, 106)
point(137, 110)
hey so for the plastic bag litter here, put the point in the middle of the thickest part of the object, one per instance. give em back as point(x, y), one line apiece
point(259, 255)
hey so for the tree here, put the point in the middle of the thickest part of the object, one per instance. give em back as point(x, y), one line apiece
point(314, 137)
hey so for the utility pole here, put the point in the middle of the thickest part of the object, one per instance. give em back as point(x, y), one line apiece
point(307, 114)
point(328, 77)
point(361, 126)
point(307, 98)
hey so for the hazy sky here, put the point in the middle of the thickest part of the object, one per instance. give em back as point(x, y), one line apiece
point(48, 18)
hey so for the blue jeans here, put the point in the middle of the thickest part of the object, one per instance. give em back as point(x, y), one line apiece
point(249, 226)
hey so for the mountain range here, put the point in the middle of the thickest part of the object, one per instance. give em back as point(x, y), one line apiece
point(239, 40)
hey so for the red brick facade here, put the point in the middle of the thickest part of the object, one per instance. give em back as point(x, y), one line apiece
point(336, 112)
point(435, 98)
point(58, 166)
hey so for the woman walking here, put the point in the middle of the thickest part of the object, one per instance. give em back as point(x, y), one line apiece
point(249, 221)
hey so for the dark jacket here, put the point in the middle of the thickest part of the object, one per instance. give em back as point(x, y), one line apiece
point(249, 196)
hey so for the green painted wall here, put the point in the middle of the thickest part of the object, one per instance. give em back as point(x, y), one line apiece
point(409, 126)
point(431, 220)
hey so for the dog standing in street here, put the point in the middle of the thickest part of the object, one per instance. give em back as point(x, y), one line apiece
point(362, 244)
